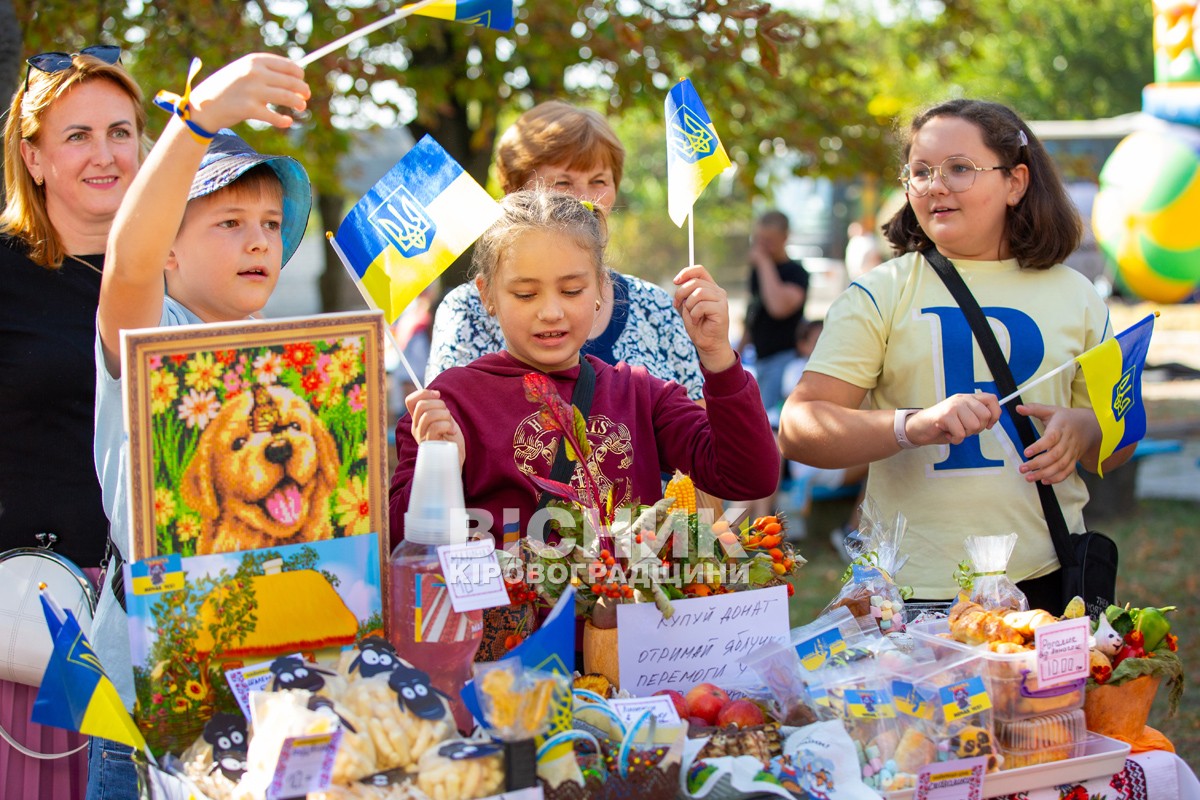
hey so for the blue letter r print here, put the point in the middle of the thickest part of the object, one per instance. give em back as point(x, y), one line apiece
point(958, 366)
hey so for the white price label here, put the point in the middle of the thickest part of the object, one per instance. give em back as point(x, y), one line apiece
point(630, 709)
point(472, 574)
point(1062, 651)
point(959, 779)
point(252, 678)
point(305, 765)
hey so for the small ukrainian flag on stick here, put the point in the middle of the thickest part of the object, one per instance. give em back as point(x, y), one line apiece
point(410, 227)
point(1113, 372)
point(75, 693)
point(694, 155)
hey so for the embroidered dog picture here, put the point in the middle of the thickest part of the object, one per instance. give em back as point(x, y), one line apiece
point(260, 439)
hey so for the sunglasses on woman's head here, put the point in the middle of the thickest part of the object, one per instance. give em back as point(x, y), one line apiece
point(56, 62)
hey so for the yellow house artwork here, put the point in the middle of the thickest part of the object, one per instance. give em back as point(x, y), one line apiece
point(297, 611)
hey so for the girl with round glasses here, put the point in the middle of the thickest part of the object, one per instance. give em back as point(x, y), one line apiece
point(898, 382)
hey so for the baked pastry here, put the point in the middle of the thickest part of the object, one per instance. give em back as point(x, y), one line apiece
point(914, 751)
point(971, 623)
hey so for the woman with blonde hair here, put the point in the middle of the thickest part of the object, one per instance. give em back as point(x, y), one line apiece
point(72, 145)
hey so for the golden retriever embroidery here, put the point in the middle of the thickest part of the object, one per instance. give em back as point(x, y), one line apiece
point(262, 475)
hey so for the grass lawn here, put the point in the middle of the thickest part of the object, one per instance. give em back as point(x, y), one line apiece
point(1159, 545)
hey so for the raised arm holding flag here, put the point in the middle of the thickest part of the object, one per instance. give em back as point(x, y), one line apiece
point(694, 155)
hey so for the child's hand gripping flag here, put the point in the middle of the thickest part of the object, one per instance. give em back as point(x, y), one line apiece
point(411, 226)
point(75, 693)
point(1113, 371)
point(694, 152)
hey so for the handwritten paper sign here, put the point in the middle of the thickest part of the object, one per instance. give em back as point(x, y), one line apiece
point(473, 576)
point(630, 709)
point(305, 765)
point(702, 642)
point(252, 678)
point(960, 779)
point(1062, 651)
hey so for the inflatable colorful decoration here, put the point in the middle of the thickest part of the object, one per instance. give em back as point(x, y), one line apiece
point(1145, 214)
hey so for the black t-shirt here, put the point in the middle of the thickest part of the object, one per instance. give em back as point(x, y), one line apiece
point(770, 335)
point(48, 478)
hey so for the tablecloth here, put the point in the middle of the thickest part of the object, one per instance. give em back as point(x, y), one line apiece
point(1156, 775)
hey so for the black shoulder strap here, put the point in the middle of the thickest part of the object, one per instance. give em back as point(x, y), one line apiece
point(581, 398)
point(1005, 385)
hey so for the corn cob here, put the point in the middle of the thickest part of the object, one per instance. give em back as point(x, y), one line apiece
point(683, 492)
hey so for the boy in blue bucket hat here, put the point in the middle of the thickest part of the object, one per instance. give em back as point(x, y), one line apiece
point(214, 222)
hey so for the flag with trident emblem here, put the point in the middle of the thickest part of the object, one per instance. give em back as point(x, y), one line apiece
point(694, 152)
point(411, 226)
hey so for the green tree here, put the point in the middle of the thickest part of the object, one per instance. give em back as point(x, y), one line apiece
point(450, 80)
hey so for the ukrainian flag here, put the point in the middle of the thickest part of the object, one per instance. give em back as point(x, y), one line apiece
point(75, 693)
point(411, 226)
point(1113, 371)
point(494, 14)
point(694, 152)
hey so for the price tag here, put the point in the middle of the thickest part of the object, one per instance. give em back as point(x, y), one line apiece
point(1062, 651)
point(305, 765)
point(252, 678)
point(472, 574)
point(630, 709)
point(533, 793)
point(961, 779)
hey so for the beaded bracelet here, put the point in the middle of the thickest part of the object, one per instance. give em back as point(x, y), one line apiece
point(182, 107)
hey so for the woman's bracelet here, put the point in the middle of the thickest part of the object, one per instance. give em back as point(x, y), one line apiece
point(182, 107)
point(901, 418)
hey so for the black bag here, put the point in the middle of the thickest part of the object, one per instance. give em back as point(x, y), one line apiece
point(1088, 560)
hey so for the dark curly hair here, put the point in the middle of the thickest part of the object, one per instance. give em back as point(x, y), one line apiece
point(1044, 227)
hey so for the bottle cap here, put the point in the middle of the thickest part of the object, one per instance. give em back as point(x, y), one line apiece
point(436, 512)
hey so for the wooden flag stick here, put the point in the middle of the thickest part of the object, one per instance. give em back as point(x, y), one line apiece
point(321, 52)
point(387, 328)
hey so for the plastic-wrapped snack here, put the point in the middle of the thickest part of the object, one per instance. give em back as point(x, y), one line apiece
point(517, 703)
point(835, 635)
point(403, 714)
point(870, 590)
point(217, 760)
point(396, 784)
point(860, 698)
point(461, 769)
point(945, 708)
point(277, 716)
point(991, 586)
point(778, 667)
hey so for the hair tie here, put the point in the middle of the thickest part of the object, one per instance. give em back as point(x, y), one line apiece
point(1024, 139)
point(182, 107)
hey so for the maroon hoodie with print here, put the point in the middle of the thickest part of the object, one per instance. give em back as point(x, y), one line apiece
point(639, 427)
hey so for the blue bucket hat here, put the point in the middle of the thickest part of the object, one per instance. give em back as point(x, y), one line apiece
point(229, 157)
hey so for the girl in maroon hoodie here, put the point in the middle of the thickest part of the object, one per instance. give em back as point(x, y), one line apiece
point(539, 271)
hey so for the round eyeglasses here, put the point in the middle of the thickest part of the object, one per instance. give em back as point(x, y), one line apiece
point(56, 61)
point(957, 172)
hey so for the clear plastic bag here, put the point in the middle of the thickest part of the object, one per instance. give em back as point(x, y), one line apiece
point(871, 591)
point(991, 587)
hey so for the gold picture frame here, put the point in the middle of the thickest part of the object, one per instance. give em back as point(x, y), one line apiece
point(256, 434)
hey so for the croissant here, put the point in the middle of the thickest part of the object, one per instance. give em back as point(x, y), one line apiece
point(1026, 622)
point(973, 624)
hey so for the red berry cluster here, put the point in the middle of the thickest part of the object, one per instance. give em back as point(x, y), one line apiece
point(611, 587)
point(520, 593)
